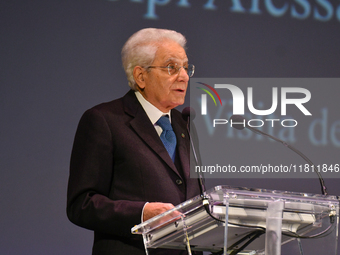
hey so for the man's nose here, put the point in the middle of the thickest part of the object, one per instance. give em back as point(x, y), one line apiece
point(183, 75)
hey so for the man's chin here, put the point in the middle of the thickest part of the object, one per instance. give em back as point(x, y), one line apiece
point(180, 102)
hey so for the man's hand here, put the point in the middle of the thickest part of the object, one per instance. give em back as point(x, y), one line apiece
point(153, 209)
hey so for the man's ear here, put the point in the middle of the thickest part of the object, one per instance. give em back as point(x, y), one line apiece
point(138, 75)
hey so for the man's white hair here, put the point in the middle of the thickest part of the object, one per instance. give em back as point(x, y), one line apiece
point(140, 49)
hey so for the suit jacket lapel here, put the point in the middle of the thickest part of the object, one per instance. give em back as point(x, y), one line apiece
point(183, 143)
point(144, 128)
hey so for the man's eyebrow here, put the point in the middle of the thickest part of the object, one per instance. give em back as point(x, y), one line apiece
point(176, 60)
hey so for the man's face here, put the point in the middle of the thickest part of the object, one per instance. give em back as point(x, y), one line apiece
point(161, 89)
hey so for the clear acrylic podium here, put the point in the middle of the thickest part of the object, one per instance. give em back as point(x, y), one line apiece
point(261, 222)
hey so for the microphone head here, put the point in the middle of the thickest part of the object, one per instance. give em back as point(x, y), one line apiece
point(238, 119)
point(188, 111)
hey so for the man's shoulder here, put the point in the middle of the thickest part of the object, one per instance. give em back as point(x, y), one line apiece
point(116, 105)
point(107, 106)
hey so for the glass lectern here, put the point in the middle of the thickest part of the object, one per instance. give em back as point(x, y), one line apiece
point(247, 221)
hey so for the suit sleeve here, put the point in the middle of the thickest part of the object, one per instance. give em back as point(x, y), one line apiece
point(91, 175)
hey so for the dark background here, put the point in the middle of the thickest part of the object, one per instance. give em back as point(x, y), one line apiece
point(59, 58)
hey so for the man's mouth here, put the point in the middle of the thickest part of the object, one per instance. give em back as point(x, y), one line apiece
point(180, 90)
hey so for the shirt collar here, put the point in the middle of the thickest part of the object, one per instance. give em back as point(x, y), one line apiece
point(152, 111)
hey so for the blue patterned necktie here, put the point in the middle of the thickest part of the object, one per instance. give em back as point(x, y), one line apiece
point(168, 136)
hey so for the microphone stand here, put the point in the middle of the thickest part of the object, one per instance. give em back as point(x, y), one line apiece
point(197, 161)
point(205, 199)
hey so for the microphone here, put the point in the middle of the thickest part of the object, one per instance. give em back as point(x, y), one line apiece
point(189, 114)
point(241, 123)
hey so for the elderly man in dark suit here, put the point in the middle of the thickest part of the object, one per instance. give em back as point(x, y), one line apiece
point(122, 171)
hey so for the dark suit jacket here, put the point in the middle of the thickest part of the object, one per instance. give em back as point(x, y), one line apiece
point(118, 163)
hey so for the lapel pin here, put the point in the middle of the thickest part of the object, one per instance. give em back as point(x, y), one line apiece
point(183, 135)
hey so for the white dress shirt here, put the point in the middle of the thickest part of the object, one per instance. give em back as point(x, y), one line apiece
point(154, 114)
point(152, 111)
